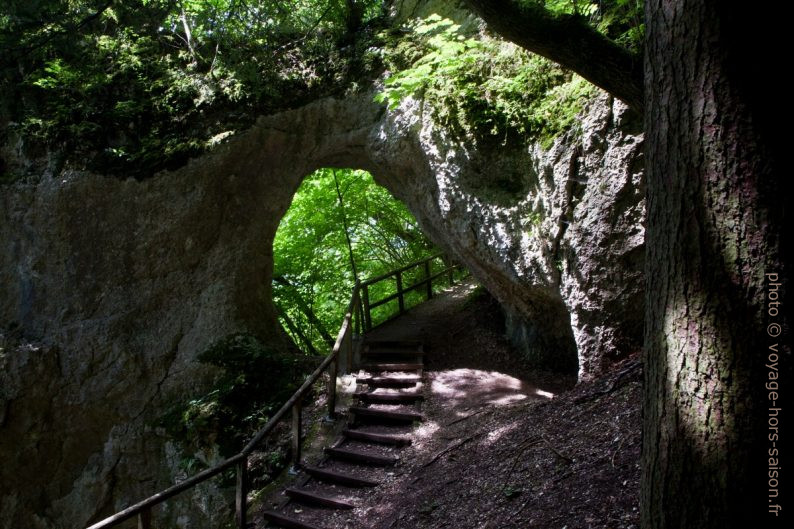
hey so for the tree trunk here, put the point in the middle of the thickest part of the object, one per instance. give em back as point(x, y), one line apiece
point(297, 332)
point(346, 227)
point(306, 310)
point(715, 216)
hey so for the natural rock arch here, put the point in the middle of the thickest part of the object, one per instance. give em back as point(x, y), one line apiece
point(132, 279)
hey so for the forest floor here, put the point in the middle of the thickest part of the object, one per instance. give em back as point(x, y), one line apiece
point(502, 445)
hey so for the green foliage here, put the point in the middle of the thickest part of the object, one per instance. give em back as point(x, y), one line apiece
point(481, 86)
point(255, 381)
point(136, 86)
point(311, 252)
point(620, 20)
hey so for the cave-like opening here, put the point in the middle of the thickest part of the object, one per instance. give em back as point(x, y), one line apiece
point(342, 227)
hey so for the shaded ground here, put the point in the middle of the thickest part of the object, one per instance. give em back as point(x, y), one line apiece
point(469, 361)
point(549, 463)
point(502, 446)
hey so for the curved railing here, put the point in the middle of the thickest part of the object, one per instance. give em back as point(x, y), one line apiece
point(358, 313)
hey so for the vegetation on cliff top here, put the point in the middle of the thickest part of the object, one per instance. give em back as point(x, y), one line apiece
point(133, 87)
point(481, 86)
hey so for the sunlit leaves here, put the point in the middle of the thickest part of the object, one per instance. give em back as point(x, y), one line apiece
point(621, 20)
point(154, 80)
point(478, 85)
point(310, 248)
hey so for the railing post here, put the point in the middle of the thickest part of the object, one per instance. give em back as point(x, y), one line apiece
point(296, 433)
point(349, 356)
point(359, 313)
point(367, 314)
point(451, 275)
point(400, 299)
point(145, 519)
point(241, 498)
point(332, 373)
point(429, 280)
point(350, 347)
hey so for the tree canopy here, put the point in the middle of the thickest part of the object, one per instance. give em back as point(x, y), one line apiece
point(131, 87)
point(341, 223)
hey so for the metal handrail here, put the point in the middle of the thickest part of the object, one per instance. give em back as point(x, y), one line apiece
point(331, 362)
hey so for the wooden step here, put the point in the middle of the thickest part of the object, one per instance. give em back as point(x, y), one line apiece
point(314, 498)
point(331, 476)
point(389, 397)
point(361, 457)
point(381, 438)
point(373, 413)
point(392, 367)
point(283, 520)
point(389, 382)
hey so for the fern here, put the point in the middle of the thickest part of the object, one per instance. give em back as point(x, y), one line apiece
point(478, 85)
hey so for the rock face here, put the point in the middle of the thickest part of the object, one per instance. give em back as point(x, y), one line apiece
point(126, 282)
point(556, 235)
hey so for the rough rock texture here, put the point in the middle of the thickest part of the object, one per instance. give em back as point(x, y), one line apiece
point(126, 282)
point(557, 235)
point(603, 248)
point(129, 281)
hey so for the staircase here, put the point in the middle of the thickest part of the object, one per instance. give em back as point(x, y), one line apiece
point(380, 427)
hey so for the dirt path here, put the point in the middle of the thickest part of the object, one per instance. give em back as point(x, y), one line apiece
point(500, 445)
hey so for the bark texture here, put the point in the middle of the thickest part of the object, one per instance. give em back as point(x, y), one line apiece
point(715, 213)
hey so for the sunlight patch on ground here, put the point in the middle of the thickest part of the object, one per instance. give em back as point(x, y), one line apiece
point(482, 387)
point(460, 291)
point(494, 435)
point(424, 432)
point(346, 384)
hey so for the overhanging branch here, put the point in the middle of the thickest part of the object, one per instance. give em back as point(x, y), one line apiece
point(569, 41)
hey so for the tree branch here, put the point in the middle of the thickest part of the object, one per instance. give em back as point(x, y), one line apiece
point(304, 307)
point(569, 41)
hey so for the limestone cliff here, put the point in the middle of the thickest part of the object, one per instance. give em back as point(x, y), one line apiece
point(124, 283)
